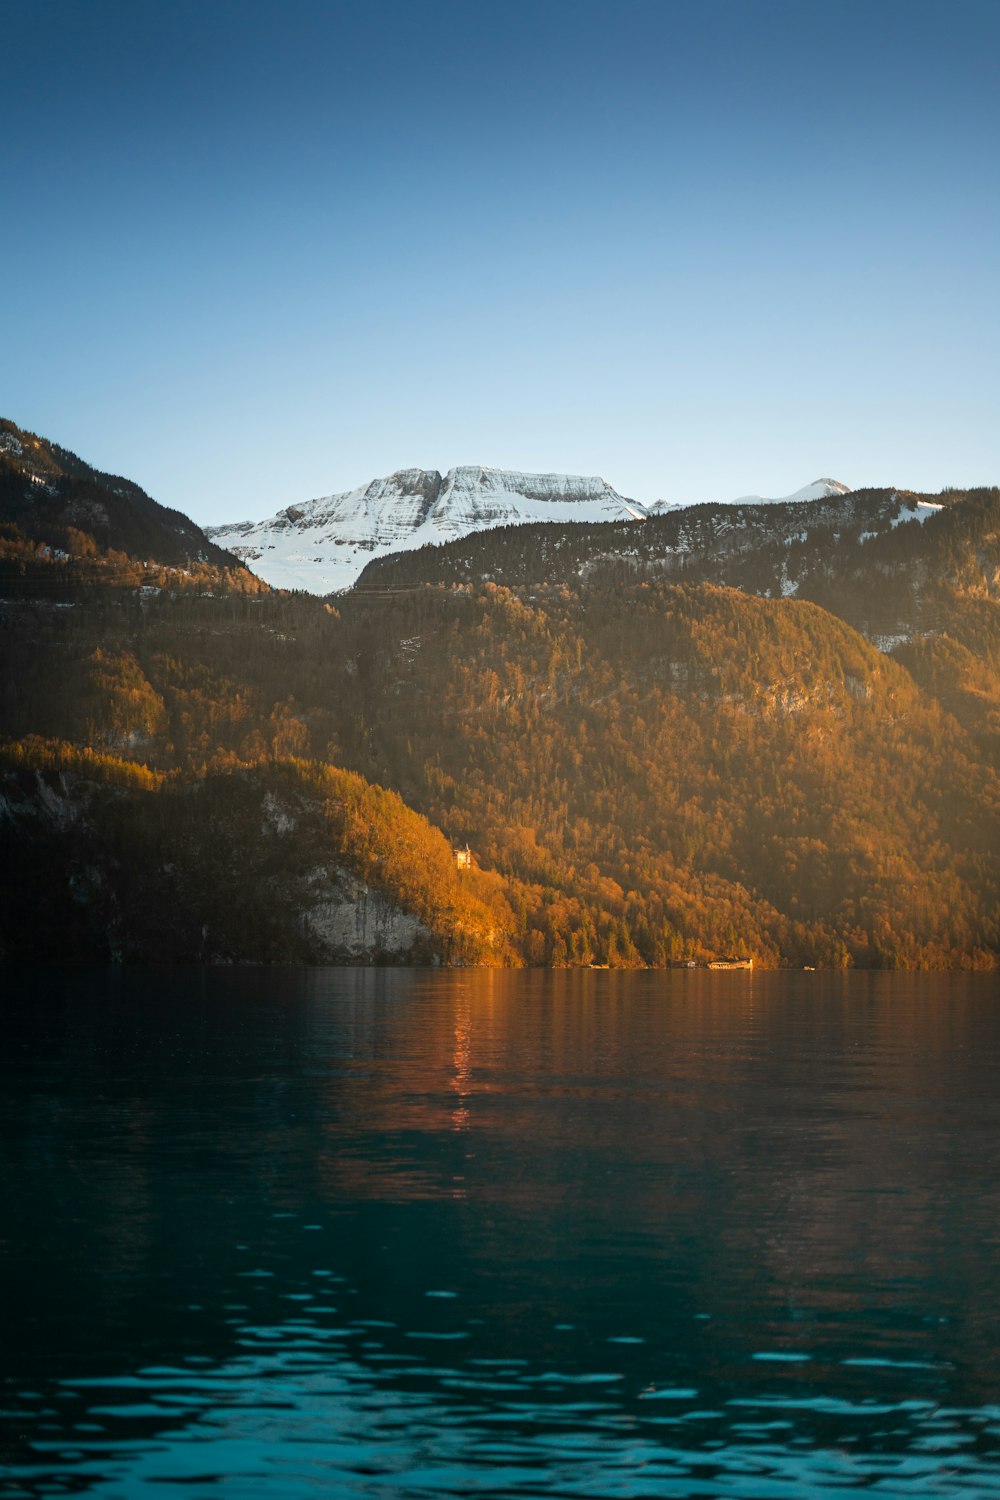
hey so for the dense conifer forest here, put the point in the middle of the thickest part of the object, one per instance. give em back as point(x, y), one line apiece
point(654, 752)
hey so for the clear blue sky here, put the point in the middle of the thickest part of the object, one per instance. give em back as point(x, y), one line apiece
point(255, 252)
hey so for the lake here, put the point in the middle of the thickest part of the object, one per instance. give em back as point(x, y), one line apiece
point(385, 1233)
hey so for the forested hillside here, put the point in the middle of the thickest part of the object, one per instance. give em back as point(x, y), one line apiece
point(647, 771)
point(890, 562)
point(280, 862)
point(54, 500)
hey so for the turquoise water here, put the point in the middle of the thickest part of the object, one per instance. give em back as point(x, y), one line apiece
point(398, 1233)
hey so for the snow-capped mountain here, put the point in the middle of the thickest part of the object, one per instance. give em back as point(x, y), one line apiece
point(323, 545)
point(820, 489)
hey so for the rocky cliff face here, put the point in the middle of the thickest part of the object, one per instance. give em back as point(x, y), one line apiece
point(324, 545)
point(350, 920)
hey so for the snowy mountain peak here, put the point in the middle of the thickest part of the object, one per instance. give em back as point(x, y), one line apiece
point(323, 545)
point(820, 489)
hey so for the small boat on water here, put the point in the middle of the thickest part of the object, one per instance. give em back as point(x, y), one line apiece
point(730, 963)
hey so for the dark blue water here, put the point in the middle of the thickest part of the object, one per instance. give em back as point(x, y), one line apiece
point(383, 1233)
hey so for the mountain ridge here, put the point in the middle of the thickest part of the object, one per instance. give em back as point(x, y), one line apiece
point(47, 492)
point(323, 545)
point(654, 751)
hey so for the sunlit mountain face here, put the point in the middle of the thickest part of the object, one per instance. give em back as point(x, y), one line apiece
point(759, 732)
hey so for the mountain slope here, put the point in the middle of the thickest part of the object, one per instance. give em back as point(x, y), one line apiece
point(47, 493)
point(650, 763)
point(324, 545)
point(653, 771)
point(879, 558)
point(104, 860)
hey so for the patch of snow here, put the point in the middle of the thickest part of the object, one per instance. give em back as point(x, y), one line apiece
point(915, 510)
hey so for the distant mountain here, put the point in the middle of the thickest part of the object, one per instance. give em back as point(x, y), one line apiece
point(820, 489)
point(323, 545)
point(46, 492)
